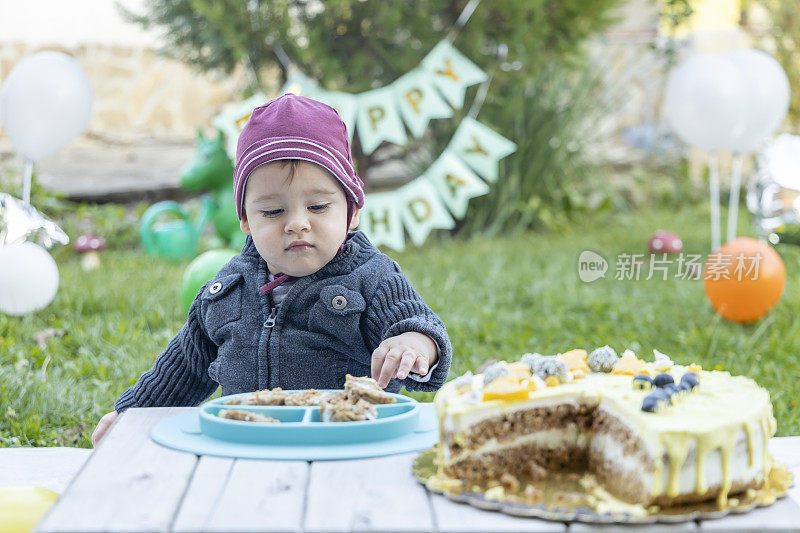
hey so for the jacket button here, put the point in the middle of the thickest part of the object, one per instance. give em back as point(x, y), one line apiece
point(214, 289)
point(339, 302)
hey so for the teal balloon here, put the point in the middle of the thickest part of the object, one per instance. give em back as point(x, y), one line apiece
point(204, 267)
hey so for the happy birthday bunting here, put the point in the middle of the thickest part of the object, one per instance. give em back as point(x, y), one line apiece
point(452, 72)
point(300, 84)
point(480, 147)
point(232, 121)
point(377, 120)
point(422, 210)
point(345, 104)
point(455, 183)
point(380, 219)
point(419, 101)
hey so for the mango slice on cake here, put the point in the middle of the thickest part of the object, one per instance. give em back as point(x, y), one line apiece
point(630, 365)
point(575, 360)
point(519, 369)
point(506, 388)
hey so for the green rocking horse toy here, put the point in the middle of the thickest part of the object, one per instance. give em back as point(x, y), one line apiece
point(212, 170)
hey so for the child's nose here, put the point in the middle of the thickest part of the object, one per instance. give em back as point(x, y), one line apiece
point(298, 222)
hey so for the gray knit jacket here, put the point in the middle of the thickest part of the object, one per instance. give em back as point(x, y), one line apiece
point(327, 326)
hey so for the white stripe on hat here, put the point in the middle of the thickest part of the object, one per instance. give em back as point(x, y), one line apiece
point(345, 181)
point(248, 153)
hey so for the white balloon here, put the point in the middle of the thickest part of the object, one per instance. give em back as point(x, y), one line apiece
point(768, 96)
point(47, 100)
point(703, 101)
point(28, 278)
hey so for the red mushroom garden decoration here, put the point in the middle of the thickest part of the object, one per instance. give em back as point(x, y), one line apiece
point(89, 246)
point(665, 242)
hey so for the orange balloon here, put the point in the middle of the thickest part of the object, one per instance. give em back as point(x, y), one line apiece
point(744, 279)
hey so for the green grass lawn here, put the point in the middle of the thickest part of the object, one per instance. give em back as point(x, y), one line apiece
point(499, 298)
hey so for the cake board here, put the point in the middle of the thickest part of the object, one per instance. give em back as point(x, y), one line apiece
point(424, 470)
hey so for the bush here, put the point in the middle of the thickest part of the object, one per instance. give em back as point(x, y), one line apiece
point(549, 178)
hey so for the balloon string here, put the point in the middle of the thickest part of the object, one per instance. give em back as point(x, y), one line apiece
point(733, 202)
point(466, 13)
point(26, 184)
point(713, 187)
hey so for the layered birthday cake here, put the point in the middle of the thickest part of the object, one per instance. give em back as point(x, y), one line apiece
point(651, 433)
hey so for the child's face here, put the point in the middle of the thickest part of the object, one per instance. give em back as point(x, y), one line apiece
point(279, 213)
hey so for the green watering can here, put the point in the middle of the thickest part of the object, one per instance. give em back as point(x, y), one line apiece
point(173, 239)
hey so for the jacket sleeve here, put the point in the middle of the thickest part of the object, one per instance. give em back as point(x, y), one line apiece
point(397, 308)
point(179, 376)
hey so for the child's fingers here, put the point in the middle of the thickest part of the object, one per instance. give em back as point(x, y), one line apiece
point(96, 434)
point(421, 365)
point(390, 364)
point(100, 430)
point(378, 357)
point(406, 362)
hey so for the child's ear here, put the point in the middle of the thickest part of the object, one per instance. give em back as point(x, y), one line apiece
point(244, 225)
point(354, 221)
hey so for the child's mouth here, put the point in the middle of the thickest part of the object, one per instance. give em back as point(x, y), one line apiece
point(299, 246)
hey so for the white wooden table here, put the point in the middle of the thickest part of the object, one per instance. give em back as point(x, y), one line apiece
point(132, 484)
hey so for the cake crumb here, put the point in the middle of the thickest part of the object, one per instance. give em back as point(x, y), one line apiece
point(246, 416)
point(276, 396)
point(495, 493)
point(536, 471)
point(343, 410)
point(509, 482)
point(304, 397)
point(532, 495)
point(570, 498)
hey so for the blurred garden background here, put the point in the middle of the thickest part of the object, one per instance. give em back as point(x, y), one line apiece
point(577, 85)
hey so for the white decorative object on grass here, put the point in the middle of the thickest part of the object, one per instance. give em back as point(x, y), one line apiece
point(28, 278)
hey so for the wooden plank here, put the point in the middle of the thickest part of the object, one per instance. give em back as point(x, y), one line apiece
point(130, 483)
point(783, 516)
point(203, 494)
point(50, 468)
point(261, 496)
point(454, 517)
point(377, 494)
point(623, 528)
point(786, 450)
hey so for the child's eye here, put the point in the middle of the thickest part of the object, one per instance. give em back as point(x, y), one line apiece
point(319, 207)
point(272, 213)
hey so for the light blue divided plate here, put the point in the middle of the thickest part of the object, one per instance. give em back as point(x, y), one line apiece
point(302, 424)
point(404, 426)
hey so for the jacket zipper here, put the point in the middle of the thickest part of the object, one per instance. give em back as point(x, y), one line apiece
point(268, 324)
point(271, 318)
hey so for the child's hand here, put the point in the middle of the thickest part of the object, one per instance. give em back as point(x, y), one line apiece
point(401, 354)
point(103, 426)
